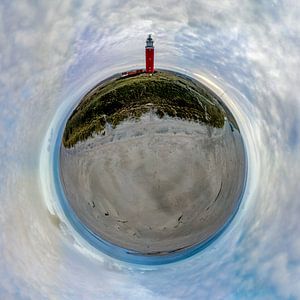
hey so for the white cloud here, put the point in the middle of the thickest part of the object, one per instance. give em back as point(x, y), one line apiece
point(254, 47)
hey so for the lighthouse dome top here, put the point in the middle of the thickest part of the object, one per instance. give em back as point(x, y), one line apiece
point(149, 41)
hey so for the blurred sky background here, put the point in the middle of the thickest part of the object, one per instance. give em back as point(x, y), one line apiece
point(51, 52)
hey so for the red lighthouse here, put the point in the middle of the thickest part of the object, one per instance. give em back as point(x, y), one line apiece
point(149, 51)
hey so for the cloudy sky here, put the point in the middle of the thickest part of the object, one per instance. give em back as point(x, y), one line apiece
point(51, 52)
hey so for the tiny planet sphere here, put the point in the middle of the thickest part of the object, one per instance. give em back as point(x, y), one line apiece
point(152, 163)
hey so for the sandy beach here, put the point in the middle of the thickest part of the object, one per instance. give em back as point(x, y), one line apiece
point(157, 185)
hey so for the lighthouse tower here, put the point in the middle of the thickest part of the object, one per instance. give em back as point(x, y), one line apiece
point(149, 51)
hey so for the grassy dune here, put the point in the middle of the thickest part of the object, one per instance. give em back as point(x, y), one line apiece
point(165, 93)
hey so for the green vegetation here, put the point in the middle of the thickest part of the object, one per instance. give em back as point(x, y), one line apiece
point(165, 93)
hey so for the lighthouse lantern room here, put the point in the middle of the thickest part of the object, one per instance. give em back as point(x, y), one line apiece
point(149, 51)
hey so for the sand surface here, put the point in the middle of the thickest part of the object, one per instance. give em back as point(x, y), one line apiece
point(157, 185)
